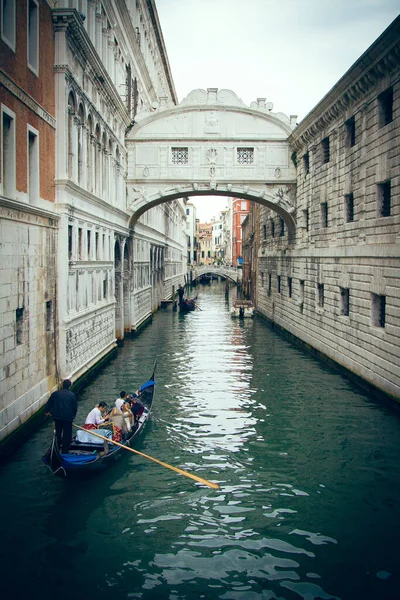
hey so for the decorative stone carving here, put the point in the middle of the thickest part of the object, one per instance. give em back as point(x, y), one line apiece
point(212, 155)
point(146, 172)
point(212, 172)
point(211, 122)
point(277, 172)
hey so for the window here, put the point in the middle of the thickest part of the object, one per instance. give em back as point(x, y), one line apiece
point(350, 128)
point(80, 234)
point(19, 329)
point(33, 35)
point(324, 214)
point(320, 294)
point(385, 107)
point(281, 227)
point(187, 211)
point(69, 242)
point(272, 228)
point(8, 153)
point(289, 285)
point(306, 164)
point(278, 283)
point(97, 244)
point(89, 244)
point(384, 199)
point(8, 22)
point(243, 205)
point(49, 316)
point(349, 207)
point(33, 165)
point(264, 231)
point(378, 310)
point(245, 156)
point(262, 279)
point(180, 156)
point(301, 295)
point(325, 150)
point(269, 283)
point(344, 301)
point(306, 219)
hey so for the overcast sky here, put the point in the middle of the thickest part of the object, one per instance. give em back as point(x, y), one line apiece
point(291, 52)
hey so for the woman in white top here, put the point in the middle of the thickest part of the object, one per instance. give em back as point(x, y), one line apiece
point(95, 417)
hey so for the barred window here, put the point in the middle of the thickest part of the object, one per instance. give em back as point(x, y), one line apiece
point(326, 155)
point(384, 199)
point(180, 156)
point(349, 207)
point(245, 156)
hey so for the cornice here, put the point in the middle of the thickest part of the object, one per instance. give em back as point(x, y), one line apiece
point(382, 58)
point(69, 20)
point(161, 46)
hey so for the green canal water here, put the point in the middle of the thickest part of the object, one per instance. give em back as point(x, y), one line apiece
point(308, 467)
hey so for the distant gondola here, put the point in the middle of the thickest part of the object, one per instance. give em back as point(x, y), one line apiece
point(187, 305)
point(90, 457)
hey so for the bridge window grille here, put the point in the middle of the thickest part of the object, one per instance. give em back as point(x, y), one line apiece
point(350, 126)
point(326, 155)
point(344, 301)
point(384, 199)
point(385, 105)
point(281, 227)
point(245, 156)
point(349, 207)
point(378, 310)
point(180, 156)
point(306, 164)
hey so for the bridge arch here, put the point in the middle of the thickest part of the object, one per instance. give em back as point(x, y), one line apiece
point(212, 144)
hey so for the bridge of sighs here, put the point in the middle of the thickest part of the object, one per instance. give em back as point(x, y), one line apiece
point(212, 144)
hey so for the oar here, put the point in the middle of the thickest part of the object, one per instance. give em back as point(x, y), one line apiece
point(210, 484)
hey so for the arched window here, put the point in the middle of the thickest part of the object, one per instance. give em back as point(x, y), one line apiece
point(80, 142)
point(71, 114)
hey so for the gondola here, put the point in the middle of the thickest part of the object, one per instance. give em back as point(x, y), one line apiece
point(93, 455)
point(187, 305)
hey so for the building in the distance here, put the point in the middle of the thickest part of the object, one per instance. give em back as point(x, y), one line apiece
point(240, 209)
point(190, 209)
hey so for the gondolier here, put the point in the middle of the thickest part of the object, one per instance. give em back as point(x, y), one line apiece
point(62, 406)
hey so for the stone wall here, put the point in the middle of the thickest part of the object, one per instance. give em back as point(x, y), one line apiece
point(28, 312)
point(337, 285)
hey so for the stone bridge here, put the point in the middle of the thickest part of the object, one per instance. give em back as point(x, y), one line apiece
point(212, 144)
point(231, 273)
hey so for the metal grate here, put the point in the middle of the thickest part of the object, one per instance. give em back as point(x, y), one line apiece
point(245, 156)
point(180, 156)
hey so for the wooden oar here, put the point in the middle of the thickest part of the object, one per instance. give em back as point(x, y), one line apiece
point(210, 484)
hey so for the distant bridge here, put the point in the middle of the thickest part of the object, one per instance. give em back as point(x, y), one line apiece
point(231, 273)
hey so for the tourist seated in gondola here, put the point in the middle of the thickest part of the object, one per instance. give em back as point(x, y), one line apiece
point(137, 407)
point(127, 414)
point(95, 417)
point(119, 401)
point(119, 427)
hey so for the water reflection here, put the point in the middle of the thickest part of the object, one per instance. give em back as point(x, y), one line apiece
point(308, 469)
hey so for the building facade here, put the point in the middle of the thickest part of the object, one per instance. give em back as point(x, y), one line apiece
point(28, 223)
point(336, 286)
point(240, 209)
point(74, 76)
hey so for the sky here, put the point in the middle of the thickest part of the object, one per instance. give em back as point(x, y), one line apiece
point(291, 52)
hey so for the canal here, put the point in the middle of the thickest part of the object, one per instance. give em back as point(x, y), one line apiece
point(308, 467)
